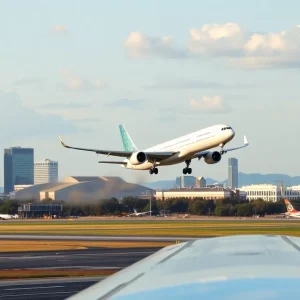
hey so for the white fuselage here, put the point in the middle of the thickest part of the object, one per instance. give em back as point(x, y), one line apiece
point(188, 145)
point(8, 217)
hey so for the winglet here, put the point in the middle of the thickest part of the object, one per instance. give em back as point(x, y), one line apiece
point(246, 143)
point(62, 142)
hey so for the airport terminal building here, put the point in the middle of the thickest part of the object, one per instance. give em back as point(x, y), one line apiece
point(270, 192)
point(207, 193)
point(81, 188)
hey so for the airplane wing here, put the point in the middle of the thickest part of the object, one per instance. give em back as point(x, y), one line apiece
point(113, 162)
point(98, 151)
point(151, 155)
point(203, 153)
point(231, 267)
point(246, 144)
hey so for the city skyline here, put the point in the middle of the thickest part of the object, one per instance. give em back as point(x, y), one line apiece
point(80, 75)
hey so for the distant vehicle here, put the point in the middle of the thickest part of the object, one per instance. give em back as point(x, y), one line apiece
point(291, 211)
point(8, 217)
point(182, 149)
point(136, 214)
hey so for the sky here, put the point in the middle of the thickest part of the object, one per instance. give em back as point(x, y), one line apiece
point(78, 69)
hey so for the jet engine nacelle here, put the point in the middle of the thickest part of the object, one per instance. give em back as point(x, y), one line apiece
point(138, 158)
point(212, 157)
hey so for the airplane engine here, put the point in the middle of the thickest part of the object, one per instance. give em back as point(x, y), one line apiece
point(138, 158)
point(212, 157)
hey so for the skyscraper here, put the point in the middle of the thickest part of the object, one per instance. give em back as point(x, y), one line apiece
point(233, 173)
point(45, 171)
point(18, 167)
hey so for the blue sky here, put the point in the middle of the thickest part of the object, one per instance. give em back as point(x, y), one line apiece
point(162, 68)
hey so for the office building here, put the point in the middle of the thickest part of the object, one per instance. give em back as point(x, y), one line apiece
point(200, 182)
point(185, 181)
point(233, 173)
point(270, 192)
point(18, 167)
point(45, 171)
point(267, 192)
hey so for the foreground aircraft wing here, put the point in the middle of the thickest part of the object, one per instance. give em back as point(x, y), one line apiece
point(232, 267)
point(98, 151)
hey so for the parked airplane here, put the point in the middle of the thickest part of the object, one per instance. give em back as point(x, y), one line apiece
point(291, 211)
point(136, 214)
point(8, 217)
point(182, 149)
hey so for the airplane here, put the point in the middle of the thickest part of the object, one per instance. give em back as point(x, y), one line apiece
point(182, 149)
point(8, 217)
point(291, 211)
point(136, 214)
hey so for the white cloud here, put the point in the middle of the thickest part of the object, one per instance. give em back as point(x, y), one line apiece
point(141, 45)
point(216, 39)
point(77, 83)
point(208, 104)
point(59, 29)
point(240, 47)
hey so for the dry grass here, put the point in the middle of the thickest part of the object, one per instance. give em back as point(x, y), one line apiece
point(32, 245)
point(17, 274)
point(207, 227)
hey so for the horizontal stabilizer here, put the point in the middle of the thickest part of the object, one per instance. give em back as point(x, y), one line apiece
point(113, 162)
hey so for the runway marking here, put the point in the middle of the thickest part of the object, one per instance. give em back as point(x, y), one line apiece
point(38, 287)
point(62, 260)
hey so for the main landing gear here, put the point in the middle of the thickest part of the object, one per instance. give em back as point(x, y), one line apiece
point(153, 171)
point(187, 169)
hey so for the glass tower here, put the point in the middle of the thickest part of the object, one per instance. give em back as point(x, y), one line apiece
point(18, 167)
point(233, 173)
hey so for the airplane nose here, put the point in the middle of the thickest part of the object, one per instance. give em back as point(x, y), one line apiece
point(232, 133)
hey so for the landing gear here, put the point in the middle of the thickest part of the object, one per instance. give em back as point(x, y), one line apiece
point(153, 171)
point(187, 169)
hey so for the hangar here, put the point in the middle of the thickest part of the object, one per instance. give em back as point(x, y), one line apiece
point(81, 188)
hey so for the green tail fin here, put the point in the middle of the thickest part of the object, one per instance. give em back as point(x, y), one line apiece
point(128, 144)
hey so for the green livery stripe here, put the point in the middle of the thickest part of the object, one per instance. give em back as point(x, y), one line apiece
point(128, 144)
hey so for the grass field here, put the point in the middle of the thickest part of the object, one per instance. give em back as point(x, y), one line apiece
point(188, 228)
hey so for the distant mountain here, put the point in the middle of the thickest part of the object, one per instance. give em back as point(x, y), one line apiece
point(244, 179)
point(256, 178)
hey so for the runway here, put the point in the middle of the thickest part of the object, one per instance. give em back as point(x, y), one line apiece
point(61, 288)
point(95, 258)
point(45, 289)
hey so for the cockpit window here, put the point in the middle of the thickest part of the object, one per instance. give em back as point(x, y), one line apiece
point(225, 128)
